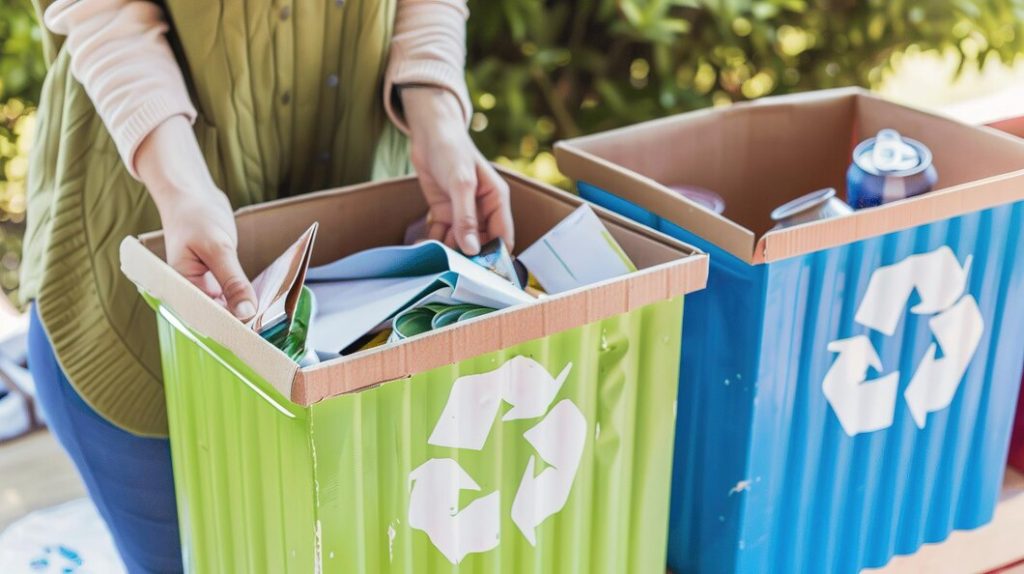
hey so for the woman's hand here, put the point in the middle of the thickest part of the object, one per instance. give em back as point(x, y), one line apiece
point(199, 227)
point(468, 201)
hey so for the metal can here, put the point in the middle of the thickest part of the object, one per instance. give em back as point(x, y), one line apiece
point(888, 168)
point(821, 204)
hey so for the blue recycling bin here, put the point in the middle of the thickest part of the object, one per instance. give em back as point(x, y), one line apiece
point(847, 387)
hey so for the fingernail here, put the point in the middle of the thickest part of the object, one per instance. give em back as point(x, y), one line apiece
point(245, 310)
point(473, 243)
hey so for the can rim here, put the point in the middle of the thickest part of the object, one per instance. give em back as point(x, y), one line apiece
point(924, 156)
point(802, 204)
point(701, 196)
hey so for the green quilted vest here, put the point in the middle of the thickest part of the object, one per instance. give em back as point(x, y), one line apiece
point(289, 100)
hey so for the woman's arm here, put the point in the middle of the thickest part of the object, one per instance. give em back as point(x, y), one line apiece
point(199, 225)
point(121, 56)
point(428, 49)
point(426, 96)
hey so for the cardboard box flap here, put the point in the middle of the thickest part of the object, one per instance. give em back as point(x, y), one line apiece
point(359, 217)
point(656, 198)
point(1014, 126)
point(761, 154)
point(734, 152)
point(192, 307)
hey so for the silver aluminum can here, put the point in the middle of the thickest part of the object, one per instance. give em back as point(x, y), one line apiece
point(821, 204)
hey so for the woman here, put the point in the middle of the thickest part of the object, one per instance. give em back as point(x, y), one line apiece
point(176, 113)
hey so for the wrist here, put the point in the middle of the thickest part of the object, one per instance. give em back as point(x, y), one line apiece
point(426, 106)
point(171, 165)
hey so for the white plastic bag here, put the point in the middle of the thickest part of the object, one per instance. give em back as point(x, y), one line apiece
point(67, 539)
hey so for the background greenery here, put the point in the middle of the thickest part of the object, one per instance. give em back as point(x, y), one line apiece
point(541, 70)
point(21, 76)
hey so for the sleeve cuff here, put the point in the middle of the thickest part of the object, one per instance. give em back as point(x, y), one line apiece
point(153, 112)
point(424, 73)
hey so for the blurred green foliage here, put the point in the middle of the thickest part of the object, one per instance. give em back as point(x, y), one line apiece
point(546, 70)
point(543, 70)
point(21, 75)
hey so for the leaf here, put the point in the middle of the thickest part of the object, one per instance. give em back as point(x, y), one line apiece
point(765, 10)
point(632, 12)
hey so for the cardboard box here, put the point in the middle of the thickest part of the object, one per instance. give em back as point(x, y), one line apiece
point(355, 465)
point(1013, 126)
point(832, 403)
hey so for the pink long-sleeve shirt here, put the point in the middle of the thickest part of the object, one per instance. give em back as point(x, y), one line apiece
point(120, 54)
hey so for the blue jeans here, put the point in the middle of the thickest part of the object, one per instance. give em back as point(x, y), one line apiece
point(128, 477)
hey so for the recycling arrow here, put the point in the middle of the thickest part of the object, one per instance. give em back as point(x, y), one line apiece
point(474, 401)
point(559, 439)
point(958, 331)
point(465, 423)
point(937, 277)
point(957, 324)
point(860, 405)
point(434, 509)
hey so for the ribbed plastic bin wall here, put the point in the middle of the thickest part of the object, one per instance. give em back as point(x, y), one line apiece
point(267, 486)
point(797, 449)
point(766, 479)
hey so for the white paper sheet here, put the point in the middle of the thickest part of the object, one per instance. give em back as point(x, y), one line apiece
point(347, 310)
point(356, 294)
point(576, 252)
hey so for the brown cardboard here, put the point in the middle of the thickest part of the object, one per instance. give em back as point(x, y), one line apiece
point(1013, 126)
point(359, 217)
point(761, 154)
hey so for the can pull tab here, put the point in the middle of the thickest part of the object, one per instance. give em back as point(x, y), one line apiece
point(891, 153)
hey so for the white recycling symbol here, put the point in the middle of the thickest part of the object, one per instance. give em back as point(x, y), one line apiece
point(956, 323)
point(465, 423)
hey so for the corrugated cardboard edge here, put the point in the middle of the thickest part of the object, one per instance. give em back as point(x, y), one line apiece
point(1013, 126)
point(482, 335)
point(501, 330)
point(192, 307)
point(577, 163)
point(906, 214)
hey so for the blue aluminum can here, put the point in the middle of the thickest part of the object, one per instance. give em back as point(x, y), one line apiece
point(888, 168)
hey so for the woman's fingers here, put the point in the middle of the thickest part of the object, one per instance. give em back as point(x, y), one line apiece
point(438, 232)
point(207, 283)
point(202, 245)
point(467, 198)
point(223, 263)
point(462, 188)
point(494, 204)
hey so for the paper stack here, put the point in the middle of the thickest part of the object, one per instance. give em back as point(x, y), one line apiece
point(386, 294)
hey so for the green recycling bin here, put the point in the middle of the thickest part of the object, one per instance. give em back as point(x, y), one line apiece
point(534, 439)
